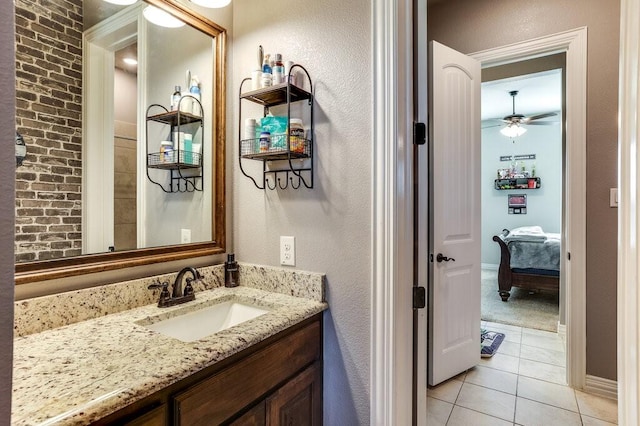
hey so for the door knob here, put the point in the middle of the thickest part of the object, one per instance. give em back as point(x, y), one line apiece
point(441, 258)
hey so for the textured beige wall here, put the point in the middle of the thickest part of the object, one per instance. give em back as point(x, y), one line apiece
point(332, 221)
point(473, 25)
point(7, 175)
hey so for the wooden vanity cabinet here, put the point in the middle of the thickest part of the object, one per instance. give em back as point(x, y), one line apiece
point(256, 416)
point(276, 382)
point(156, 417)
point(299, 401)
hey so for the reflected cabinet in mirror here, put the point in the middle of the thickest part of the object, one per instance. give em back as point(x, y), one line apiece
point(102, 186)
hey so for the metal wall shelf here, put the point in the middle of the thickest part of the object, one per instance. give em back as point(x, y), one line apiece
point(517, 183)
point(179, 160)
point(292, 165)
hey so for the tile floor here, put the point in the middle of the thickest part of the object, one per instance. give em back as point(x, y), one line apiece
point(522, 384)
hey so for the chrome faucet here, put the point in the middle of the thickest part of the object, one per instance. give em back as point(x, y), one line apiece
point(178, 294)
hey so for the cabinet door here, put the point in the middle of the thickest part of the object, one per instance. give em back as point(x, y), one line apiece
point(254, 417)
point(219, 397)
point(155, 417)
point(299, 402)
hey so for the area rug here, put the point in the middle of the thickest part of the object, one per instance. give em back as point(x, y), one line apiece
point(537, 310)
point(490, 342)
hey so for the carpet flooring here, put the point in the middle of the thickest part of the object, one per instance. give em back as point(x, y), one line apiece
point(538, 310)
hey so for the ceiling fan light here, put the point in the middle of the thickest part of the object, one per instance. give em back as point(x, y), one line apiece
point(513, 131)
point(160, 17)
point(121, 2)
point(213, 4)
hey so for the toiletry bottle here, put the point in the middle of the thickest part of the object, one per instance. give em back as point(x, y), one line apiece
point(278, 70)
point(267, 80)
point(296, 135)
point(188, 148)
point(266, 68)
point(265, 141)
point(166, 152)
point(194, 90)
point(231, 271)
point(288, 77)
point(175, 98)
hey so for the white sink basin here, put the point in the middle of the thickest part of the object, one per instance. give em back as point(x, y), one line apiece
point(194, 325)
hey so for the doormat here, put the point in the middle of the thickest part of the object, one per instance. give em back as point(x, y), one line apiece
point(489, 342)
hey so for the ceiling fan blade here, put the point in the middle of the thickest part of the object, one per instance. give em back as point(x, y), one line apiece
point(492, 125)
point(543, 123)
point(539, 116)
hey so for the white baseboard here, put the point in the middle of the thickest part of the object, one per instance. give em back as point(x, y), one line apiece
point(602, 387)
point(490, 266)
point(562, 330)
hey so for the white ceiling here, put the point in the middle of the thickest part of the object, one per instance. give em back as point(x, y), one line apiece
point(537, 93)
point(96, 10)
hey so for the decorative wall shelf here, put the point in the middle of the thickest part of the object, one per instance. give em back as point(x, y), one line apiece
point(288, 164)
point(517, 183)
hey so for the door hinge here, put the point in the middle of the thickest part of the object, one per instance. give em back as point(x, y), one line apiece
point(419, 133)
point(419, 298)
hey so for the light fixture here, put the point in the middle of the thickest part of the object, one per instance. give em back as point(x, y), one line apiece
point(513, 130)
point(21, 149)
point(213, 4)
point(130, 61)
point(121, 2)
point(161, 18)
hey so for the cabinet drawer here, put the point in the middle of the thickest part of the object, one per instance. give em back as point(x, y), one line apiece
point(217, 398)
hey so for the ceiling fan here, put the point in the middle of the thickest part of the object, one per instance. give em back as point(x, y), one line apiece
point(515, 121)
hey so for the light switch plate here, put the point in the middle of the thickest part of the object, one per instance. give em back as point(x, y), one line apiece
point(613, 197)
point(288, 251)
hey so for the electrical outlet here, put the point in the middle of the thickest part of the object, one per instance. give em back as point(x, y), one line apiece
point(288, 251)
point(185, 236)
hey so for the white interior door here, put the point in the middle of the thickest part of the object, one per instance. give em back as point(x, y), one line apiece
point(454, 273)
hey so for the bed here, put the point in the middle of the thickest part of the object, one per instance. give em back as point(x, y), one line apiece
point(529, 259)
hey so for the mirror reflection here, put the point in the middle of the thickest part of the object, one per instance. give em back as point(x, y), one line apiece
point(84, 186)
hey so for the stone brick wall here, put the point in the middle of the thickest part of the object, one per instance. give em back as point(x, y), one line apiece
point(48, 115)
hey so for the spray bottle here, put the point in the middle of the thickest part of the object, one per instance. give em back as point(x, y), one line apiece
point(194, 90)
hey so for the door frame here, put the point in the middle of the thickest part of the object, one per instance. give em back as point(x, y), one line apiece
point(100, 43)
point(629, 216)
point(391, 348)
point(574, 44)
point(391, 398)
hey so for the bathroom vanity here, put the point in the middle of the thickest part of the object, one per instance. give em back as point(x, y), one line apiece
point(105, 366)
point(276, 382)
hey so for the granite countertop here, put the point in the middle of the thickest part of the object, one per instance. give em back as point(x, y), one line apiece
point(81, 372)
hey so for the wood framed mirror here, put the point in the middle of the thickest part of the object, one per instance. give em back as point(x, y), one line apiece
point(38, 108)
